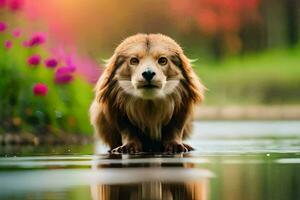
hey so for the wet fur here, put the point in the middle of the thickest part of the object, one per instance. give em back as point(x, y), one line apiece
point(117, 115)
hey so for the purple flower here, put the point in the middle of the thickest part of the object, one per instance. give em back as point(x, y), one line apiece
point(16, 33)
point(34, 60)
point(51, 63)
point(63, 75)
point(3, 26)
point(40, 89)
point(35, 40)
point(8, 44)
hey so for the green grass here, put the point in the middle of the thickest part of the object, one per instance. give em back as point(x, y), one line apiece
point(272, 77)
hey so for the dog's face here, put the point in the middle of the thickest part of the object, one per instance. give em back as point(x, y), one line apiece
point(149, 67)
point(147, 70)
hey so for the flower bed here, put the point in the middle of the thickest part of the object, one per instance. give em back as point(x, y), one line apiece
point(43, 90)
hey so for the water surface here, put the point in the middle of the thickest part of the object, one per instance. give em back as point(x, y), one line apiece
point(233, 160)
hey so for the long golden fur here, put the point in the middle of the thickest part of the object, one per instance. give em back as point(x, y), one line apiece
point(145, 96)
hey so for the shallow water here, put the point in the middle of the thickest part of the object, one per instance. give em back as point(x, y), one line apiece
point(233, 160)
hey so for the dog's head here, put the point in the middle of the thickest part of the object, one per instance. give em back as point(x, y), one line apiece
point(150, 66)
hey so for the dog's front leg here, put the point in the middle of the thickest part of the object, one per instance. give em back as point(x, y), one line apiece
point(172, 138)
point(130, 144)
point(173, 143)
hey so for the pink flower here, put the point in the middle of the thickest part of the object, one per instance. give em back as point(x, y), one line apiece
point(40, 89)
point(63, 75)
point(72, 68)
point(25, 43)
point(15, 5)
point(34, 60)
point(2, 3)
point(51, 63)
point(16, 33)
point(35, 40)
point(8, 44)
point(3, 26)
point(84, 65)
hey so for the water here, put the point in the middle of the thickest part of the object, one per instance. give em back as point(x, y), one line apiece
point(233, 160)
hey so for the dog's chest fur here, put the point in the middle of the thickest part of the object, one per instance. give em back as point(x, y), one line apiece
point(150, 115)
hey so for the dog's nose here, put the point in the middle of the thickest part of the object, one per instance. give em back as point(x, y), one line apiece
point(148, 74)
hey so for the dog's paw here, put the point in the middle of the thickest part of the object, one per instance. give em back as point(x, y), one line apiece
point(176, 147)
point(130, 148)
point(188, 147)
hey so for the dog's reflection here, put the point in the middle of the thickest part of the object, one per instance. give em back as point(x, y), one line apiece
point(151, 181)
point(152, 190)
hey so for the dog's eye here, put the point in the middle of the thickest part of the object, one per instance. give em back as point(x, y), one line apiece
point(134, 61)
point(162, 61)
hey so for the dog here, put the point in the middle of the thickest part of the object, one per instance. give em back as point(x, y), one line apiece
point(144, 99)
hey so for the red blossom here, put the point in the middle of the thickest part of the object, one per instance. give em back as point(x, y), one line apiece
point(3, 26)
point(215, 16)
point(51, 63)
point(40, 89)
point(8, 44)
point(64, 75)
point(15, 5)
point(2, 3)
point(83, 65)
point(34, 60)
point(25, 43)
point(16, 33)
point(35, 40)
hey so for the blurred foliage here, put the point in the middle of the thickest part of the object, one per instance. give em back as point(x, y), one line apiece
point(218, 28)
point(271, 77)
point(63, 109)
point(234, 42)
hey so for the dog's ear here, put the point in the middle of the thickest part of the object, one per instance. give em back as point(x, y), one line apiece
point(106, 79)
point(195, 87)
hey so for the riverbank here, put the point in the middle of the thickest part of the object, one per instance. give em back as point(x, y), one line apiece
point(208, 113)
point(283, 112)
point(41, 139)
